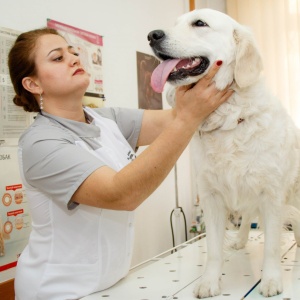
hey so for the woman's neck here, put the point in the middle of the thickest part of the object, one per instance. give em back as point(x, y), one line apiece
point(65, 108)
point(73, 113)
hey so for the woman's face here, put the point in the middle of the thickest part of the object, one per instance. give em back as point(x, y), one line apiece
point(59, 71)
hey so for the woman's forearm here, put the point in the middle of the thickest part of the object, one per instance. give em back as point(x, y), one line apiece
point(138, 180)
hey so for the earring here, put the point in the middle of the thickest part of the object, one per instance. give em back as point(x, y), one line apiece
point(41, 102)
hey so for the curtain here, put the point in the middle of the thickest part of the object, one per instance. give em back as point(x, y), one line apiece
point(276, 27)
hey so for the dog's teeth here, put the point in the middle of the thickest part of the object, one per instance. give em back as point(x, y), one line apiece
point(196, 61)
point(192, 62)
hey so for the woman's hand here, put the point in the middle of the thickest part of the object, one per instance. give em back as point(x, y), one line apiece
point(193, 104)
point(196, 101)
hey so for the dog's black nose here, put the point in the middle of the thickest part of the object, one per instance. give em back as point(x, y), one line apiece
point(155, 35)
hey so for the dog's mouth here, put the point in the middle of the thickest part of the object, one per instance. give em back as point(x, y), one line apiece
point(175, 69)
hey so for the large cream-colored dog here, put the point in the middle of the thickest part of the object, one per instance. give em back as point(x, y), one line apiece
point(248, 150)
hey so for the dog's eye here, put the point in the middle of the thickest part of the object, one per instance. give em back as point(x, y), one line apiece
point(200, 23)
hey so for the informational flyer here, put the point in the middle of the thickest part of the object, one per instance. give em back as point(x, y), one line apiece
point(89, 47)
point(15, 221)
point(13, 118)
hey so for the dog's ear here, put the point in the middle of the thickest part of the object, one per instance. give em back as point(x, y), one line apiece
point(248, 60)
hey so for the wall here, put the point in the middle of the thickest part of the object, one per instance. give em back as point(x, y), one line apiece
point(214, 4)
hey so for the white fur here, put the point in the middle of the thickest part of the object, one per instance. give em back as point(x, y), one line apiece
point(251, 167)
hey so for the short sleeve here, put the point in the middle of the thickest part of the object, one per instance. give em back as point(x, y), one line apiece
point(52, 162)
point(128, 120)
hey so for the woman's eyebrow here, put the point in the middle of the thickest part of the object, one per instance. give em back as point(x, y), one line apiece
point(59, 49)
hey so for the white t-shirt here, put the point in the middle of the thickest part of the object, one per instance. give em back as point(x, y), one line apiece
point(74, 250)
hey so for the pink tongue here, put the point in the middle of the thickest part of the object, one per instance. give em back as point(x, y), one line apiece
point(161, 74)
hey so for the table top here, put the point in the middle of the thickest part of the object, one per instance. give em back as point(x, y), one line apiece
point(174, 275)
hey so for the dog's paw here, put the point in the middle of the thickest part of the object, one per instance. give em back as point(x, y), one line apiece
point(270, 287)
point(207, 288)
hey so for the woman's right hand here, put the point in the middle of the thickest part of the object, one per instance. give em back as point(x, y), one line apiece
point(195, 102)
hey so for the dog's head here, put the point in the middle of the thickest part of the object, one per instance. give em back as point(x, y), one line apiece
point(197, 40)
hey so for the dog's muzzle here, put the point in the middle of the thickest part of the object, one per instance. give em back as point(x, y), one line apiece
point(172, 69)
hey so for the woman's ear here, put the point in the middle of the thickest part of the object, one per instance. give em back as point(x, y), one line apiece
point(31, 86)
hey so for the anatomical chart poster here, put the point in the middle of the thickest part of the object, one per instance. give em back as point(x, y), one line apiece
point(13, 119)
point(89, 47)
point(15, 222)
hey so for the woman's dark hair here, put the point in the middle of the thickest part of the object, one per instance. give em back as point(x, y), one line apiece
point(21, 63)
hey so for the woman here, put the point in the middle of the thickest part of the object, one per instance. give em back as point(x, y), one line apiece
point(77, 165)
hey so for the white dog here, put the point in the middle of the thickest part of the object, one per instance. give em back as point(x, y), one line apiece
point(248, 149)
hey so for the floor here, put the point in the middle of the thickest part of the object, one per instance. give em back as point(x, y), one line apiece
point(173, 276)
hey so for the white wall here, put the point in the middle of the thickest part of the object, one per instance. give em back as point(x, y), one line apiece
point(214, 4)
point(124, 25)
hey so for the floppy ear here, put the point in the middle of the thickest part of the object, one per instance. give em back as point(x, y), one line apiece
point(248, 60)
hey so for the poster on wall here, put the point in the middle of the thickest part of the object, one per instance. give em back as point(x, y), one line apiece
point(89, 46)
point(15, 222)
point(148, 99)
point(13, 118)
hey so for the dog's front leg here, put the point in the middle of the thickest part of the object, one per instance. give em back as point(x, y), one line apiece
point(271, 283)
point(215, 223)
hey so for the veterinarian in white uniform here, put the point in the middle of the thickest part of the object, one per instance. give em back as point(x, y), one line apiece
point(79, 170)
point(96, 247)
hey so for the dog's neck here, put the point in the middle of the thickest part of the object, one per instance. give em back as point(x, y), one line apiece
point(201, 132)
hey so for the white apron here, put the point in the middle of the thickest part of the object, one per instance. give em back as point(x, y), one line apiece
point(74, 265)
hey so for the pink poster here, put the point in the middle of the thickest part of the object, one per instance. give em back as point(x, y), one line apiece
point(89, 47)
